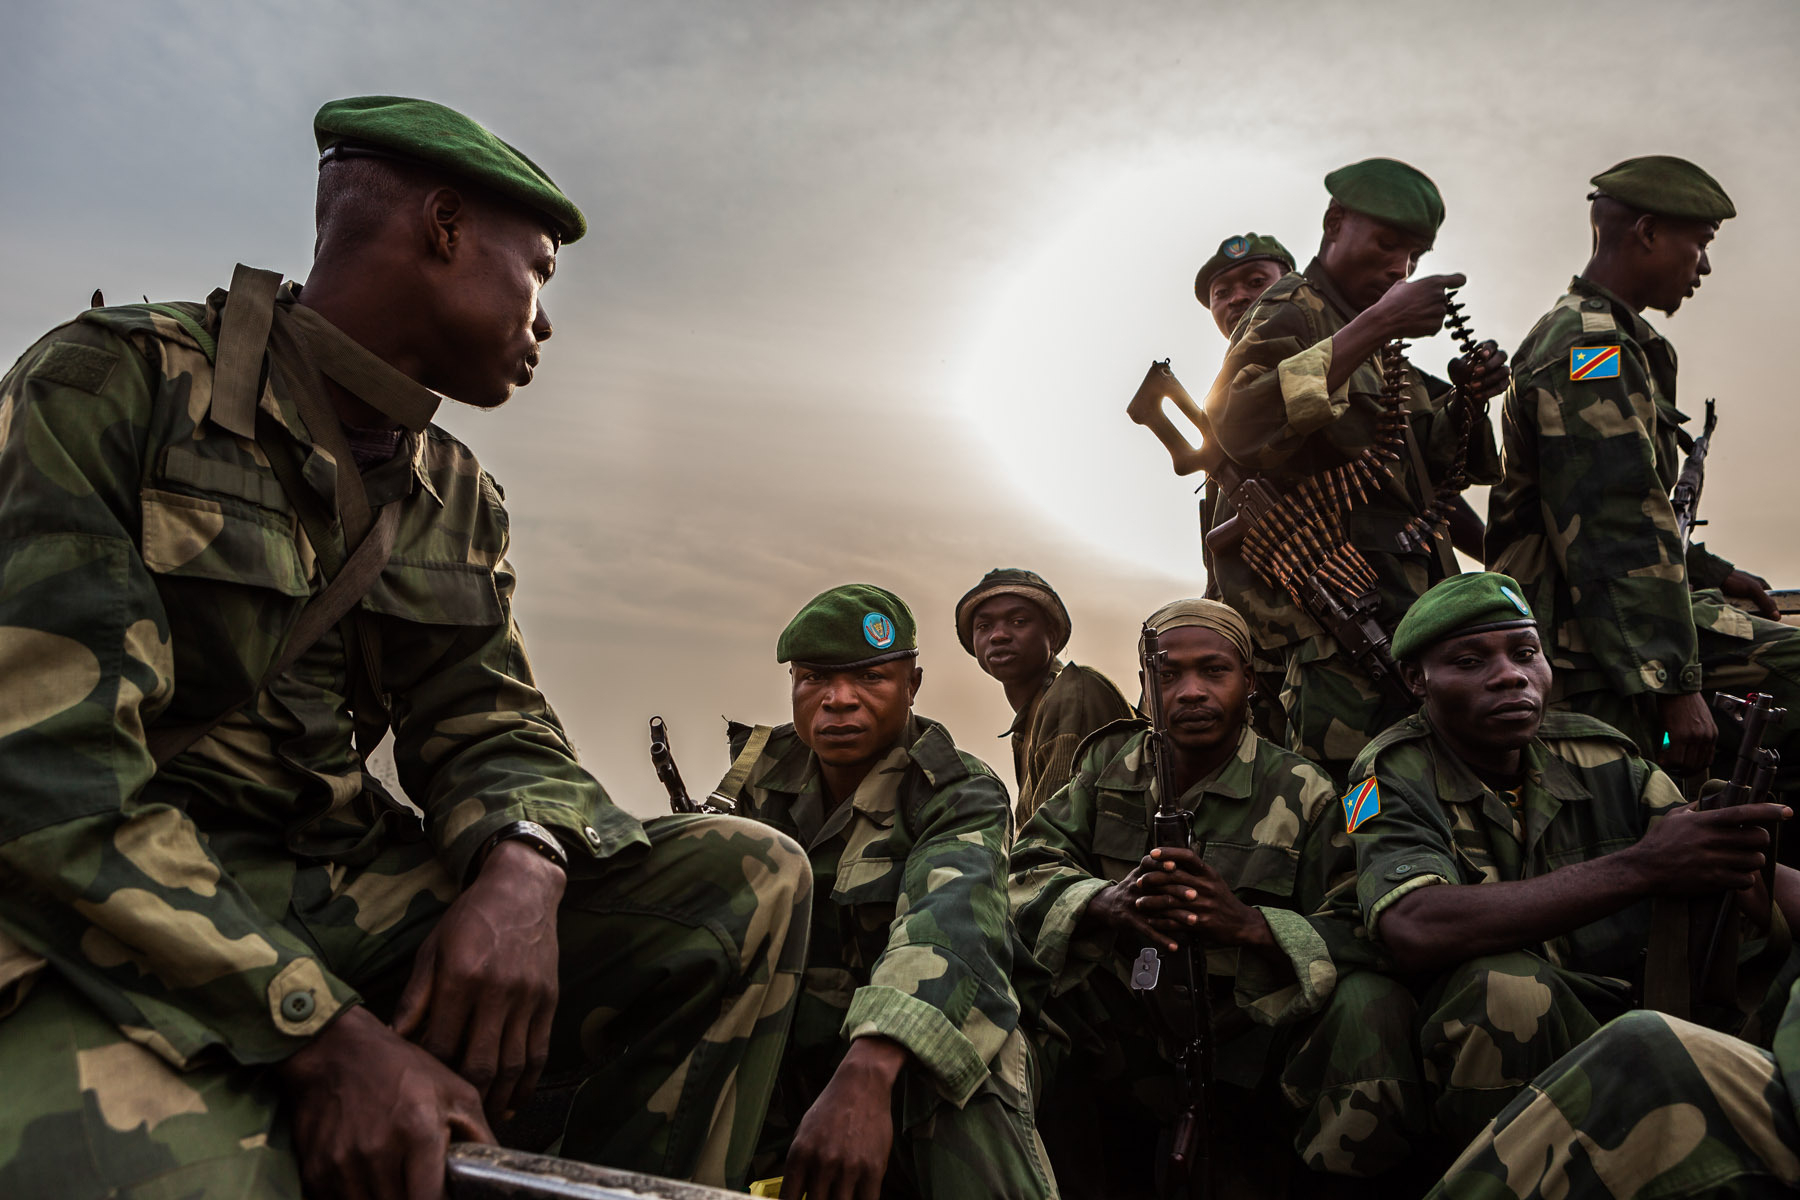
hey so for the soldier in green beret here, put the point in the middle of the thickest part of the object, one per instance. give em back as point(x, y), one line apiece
point(231, 963)
point(1015, 626)
point(1639, 621)
point(1311, 1048)
point(1300, 393)
point(1506, 855)
point(1238, 273)
point(908, 1070)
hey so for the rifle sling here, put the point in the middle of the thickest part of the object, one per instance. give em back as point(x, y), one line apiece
point(732, 785)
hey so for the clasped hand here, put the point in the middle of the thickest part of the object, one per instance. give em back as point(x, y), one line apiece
point(1173, 895)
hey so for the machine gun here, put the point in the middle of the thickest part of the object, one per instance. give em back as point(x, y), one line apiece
point(473, 1171)
point(663, 759)
point(1294, 542)
point(1685, 499)
point(1176, 990)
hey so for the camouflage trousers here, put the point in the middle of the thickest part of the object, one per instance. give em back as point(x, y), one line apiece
point(1332, 708)
point(989, 1147)
point(1738, 653)
point(1343, 1087)
point(1649, 1107)
point(678, 980)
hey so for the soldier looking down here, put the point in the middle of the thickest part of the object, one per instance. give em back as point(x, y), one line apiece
point(1300, 393)
point(230, 960)
point(1637, 623)
point(907, 1073)
point(1015, 625)
point(1508, 854)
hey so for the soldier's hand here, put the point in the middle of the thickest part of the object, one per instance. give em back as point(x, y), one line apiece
point(1482, 375)
point(1181, 893)
point(1415, 308)
point(1688, 721)
point(1753, 588)
point(1116, 906)
point(484, 982)
point(840, 1151)
point(1693, 853)
point(373, 1114)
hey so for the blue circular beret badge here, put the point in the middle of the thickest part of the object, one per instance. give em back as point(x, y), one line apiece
point(1237, 247)
point(878, 631)
point(1516, 602)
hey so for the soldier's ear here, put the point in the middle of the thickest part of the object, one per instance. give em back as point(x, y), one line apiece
point(1645, 229)
point(1334, 220)
point(1413, 676)
point(912, 683)
point(446, 213)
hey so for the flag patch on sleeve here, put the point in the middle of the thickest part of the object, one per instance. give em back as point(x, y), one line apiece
point(1361, 802)
point(1594, 362)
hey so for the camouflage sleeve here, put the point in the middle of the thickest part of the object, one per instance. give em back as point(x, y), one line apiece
point(123, 897)
point(1402, 840)
point(1706, 569)
point(479, 748)
point(942, 987)
point(1069, 715)
point(1270, 392)
point(1609, 524)
point(1054, 875)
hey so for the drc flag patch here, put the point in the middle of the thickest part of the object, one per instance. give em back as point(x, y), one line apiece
point(1361, 802)
point(1594, 362)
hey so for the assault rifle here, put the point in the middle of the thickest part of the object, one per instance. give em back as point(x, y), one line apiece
point(1685, 499)
point(1179, 999)
point(663, 759)
point(473, 1171)
point(1752, 780)
point(1351, 620)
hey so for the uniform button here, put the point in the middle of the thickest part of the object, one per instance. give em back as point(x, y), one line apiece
point(1662, 676)
point(297, 1006)
point(1403, 868)
point(1596, 302)
point(591, 834)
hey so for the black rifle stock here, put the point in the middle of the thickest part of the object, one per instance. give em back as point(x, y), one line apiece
point(663, 759)
point(1752, 778)
point(1685, 498)
point(1176, 990)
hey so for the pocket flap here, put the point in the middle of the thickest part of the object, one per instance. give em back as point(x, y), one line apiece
point(436, 593)
point(198, 538)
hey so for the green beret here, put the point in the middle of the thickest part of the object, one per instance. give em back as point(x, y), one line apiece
point(1389, 190)
point(855, 625)
point(1667, 186)
point(1243, 248)
point(1471, 603)
point(428, 134)
point(1012, 581)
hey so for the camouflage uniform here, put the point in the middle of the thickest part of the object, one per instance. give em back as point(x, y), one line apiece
point(201, 921)
point(1271, 413)
point(1074, 702)
point(910, 941)
point(1334, 1039)
point(1583, 521)
point(1649, 1107)
point(1492, 1023)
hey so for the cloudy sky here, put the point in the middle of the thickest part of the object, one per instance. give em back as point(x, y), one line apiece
point(869, 284)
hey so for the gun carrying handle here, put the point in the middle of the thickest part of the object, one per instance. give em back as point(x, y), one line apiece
point(1146, 408)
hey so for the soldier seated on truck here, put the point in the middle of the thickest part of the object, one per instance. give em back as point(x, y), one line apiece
point(1298, 1031)
point(1506, 855)
point(907, 1071)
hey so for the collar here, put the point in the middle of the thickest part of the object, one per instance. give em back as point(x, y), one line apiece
point(1322, 283)
point(1457, 783)
point(1022, 719)
point(798, 767)
point(1234, 779)
point(1634, 323)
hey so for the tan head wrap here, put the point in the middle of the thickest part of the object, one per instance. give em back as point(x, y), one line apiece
point(1222, 619)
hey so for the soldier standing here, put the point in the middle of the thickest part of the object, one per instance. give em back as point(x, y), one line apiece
point(1015, 625)
point(1300, 393)
point(1302, 1035)
point(907, 1073)
point(230, 961)
point(1638, 623)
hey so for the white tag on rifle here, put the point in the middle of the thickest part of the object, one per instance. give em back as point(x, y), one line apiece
point(1146, 970)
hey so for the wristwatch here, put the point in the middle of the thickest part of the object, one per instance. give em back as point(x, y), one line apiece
point(529, 832)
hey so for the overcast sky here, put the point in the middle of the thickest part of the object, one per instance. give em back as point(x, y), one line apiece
point(868, 285)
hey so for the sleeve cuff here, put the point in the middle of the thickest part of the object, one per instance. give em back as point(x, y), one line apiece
point(1057, 941)
point(1386, 902)
point(1310, 404)
point(934, 1043)
point(1706, 569)
point(1273, 996)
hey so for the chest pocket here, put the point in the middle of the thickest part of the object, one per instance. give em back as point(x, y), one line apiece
point(869, 881)
point(1120, 838)
point(1253, 867)
point(223, 539)
point(435, 593)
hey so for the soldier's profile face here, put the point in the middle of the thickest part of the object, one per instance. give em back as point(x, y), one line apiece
point(1484, 692)
point(1205, 688)
point(1232, 292)
point(1011, 636)
point(850, 717)
point(1366, 257)
point(1677, 260)
point(490, 322)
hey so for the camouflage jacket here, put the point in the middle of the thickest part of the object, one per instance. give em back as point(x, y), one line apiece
point(1270, 412)
point(1582, 518)
point(1584, 793)
point(1074, 702)
point(150, 565)
point(1273, 830)
point(910, 937)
